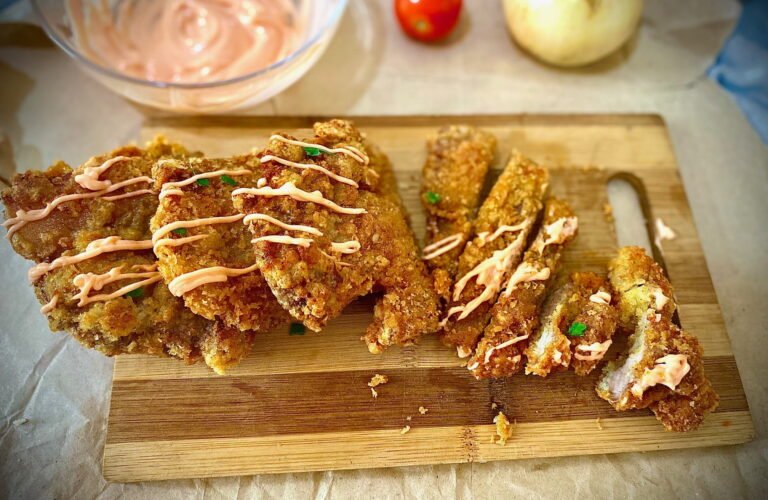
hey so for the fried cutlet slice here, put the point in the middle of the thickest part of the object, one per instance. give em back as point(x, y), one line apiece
point(196, 227)
point(458, 158)
point(504, 222)
point(599, 317)
point(72, 224)
point(663, 369)
point(515, 316)
point(146, 320)
point(640, 285)
point(329, 228)
point(86, 244)
point(663, 365)
point(577, 323)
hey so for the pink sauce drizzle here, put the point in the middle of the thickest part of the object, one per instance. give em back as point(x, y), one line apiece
point(502, 346)
point(668, 370)
point(89, 178)
point(157, 235)
point(488, 273)
point(600, 297)
point(186, 41)
point(216, 274)
point(177, 242)
point(94, 249)
point(346, 150)
point(442, 246)
point(525, 272)
point(172, 188)
point(284, 225)
point(557, 232)
point(309, 166)
point(90, 281)
point(346, 247)
point(48, 307)
point(596, 350)
point(23, 217)
point(283, 240)
point(289, 189)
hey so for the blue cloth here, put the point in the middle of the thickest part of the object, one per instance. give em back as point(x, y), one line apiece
point(741, 68)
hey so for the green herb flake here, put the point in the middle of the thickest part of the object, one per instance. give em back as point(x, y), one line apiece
point(296, 329)
point(310, 151)
point(228, 180)
point(135, 294)
point(182, 231)
point(577, 329)
point(433, 197)
point(203, 182)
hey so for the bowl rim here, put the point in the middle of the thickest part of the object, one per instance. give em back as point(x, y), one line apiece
point(74, 53)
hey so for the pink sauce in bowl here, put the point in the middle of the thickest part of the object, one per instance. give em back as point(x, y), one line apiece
point(186, 41)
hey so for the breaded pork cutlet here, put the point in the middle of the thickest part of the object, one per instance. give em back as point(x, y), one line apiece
point(591, 331)
point(88, 231)
point(204, 249)
point(662, 368)
point(577, 323)
point(328, 227)
point(458, 158)
point(515, 316)
point(503, 225)
point(50, 212)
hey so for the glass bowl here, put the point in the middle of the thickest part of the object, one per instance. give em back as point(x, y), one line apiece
point(321, 18)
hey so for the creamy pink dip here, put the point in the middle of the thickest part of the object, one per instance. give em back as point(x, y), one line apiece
point(186, 41)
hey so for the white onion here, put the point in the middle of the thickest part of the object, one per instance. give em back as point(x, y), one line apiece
point(572, 32)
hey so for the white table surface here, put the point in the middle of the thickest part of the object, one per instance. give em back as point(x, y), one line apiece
point(49, 110)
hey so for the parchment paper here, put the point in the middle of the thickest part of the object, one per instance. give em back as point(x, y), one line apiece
point(54, 394)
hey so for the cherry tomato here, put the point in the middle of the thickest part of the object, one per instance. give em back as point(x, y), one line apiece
point(428, 20)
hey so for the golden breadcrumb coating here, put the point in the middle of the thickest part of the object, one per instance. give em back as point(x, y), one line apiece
point(656, 344)
point(515, 316)
point(641, 285)
point(576, 327)
point(244, 302)
point(515, 199)
point(458, 159)
point(315, 283)
point(680, 409)
point(74, 224)
point(149, 321)
point(600, 319)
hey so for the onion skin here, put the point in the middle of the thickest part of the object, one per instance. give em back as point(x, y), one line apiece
point(572, 32)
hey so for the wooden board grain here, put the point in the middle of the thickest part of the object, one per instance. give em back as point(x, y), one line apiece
point(301, 403)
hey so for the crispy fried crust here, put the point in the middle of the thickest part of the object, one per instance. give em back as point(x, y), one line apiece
point(549, 348)
point(655, 336)
point(639, 282)
point(243, 302)
point(458, 158)
point(155, 323)
point(553, 347)
point(75, 224)
point(314, 283)
point(600, 319)
point(516, 315)
point(515, 198)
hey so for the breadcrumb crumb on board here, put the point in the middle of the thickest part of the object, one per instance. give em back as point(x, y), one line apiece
point(599, 423)
point(405, 429)
point(423, 410)
point(503, 429)
point(374, 394)
point(377, 380)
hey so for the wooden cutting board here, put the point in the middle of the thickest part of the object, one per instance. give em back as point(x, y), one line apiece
point(301, 403)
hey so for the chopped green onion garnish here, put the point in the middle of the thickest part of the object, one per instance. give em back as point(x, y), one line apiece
point(228, 180)
point(203, 182)
point(312, 151)
point(577, 329)
point(135, 294)
point(182, 231)
point(433, 197)
point(296, 329)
